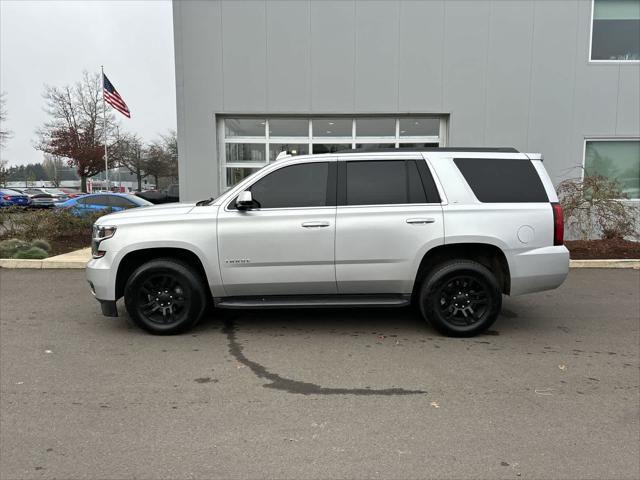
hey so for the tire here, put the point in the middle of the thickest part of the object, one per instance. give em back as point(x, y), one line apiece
point(165, 296)
point(460, 298)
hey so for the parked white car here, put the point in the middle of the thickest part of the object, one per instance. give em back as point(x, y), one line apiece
point(449, 229)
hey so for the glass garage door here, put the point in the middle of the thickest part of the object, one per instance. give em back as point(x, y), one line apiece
point(249, 143)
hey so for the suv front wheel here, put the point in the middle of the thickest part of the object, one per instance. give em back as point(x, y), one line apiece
point(165, 296)
point(460, 298)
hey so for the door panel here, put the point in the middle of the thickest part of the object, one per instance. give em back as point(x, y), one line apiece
point(378, 248)
point(277, 252)
point(388, 216)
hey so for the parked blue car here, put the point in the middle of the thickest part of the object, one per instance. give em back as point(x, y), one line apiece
point(97, 202)
point(13, 198)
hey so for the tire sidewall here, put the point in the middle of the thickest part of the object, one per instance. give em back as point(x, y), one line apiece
point(190, 281)
point(429, 300)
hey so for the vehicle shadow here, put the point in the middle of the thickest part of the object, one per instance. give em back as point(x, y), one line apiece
point(331, 320)
point(345, 321)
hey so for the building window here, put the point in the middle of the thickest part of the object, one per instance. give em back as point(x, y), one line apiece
point(617, 160)
point(615, 30)
point(249, 144)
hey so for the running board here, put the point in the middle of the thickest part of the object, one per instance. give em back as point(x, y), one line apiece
point(314, 301)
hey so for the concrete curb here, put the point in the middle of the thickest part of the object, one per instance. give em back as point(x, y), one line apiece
point(621, 263)
point(41, 264)
point(77, 259)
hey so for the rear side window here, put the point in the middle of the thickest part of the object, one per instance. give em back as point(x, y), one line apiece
point(303, 185)
point(122, 202)
point(100, 200)
point(386, 182)
point(502, 180)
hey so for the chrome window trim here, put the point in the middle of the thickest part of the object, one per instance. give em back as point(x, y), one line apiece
point(276, 166)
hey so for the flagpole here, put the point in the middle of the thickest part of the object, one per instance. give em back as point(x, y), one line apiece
point(104, 120)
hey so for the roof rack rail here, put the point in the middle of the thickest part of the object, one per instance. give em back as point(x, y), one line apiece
point(431, 149)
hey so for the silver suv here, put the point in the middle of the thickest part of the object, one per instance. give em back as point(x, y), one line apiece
point(450, 230)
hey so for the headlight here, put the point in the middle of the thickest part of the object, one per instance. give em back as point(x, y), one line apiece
point(100, 233)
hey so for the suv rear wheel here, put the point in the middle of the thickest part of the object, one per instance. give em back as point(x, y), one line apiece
point(165, 296)
point(460, 298)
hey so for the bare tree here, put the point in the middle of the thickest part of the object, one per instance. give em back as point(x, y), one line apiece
point(4, 172)
point(170, 143)
point(75, 129)
point(595, 206)
point(53, 165)
point(162, 158)
point(155, 162)
point(128, 152)
point(5, 134)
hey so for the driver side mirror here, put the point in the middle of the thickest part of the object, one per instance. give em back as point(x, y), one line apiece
point(244, 201)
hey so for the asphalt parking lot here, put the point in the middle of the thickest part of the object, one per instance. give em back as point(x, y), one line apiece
point(552, 391)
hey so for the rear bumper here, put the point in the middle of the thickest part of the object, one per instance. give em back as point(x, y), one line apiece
point(538, 269)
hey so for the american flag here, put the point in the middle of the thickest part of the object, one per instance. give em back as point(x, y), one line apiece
point(113, 98)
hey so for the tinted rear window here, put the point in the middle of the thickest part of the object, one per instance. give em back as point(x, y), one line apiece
point(502, 180)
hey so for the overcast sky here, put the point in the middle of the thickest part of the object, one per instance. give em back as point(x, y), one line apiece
point(52, 42)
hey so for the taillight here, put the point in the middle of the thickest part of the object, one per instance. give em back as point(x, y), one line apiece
point(8, 197)
point(558, 224)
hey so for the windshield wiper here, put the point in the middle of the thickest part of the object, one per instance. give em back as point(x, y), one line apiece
point(205, 202)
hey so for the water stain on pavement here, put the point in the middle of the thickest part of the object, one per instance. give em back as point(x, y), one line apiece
point(288, 385)
point(206, 380)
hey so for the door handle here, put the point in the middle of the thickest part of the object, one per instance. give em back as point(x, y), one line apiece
point(315, 224)
point(420, 221)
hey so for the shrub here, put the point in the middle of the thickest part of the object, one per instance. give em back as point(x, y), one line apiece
point(33, 253)
point(15, 248)
point(595, 206)
point(43, 244)
point(45, 224)
point(9, 247)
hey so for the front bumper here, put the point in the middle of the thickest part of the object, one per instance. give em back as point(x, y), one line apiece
point(109, 308)
point(538, 269)
point(101, 278)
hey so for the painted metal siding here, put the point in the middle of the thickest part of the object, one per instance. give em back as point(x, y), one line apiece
point(512, 73)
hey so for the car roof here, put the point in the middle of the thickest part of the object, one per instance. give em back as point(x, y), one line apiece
point(430, 149)
point(119, 194)
point(415, 153)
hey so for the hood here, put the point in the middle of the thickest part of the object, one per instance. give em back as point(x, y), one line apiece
point(151, 212)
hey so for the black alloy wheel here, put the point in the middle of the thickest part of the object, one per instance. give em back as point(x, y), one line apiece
point(461, 298)
point(161, 298)
point(165, 296)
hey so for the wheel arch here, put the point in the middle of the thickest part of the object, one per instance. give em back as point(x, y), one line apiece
point(489, 255)
point(132, 260)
